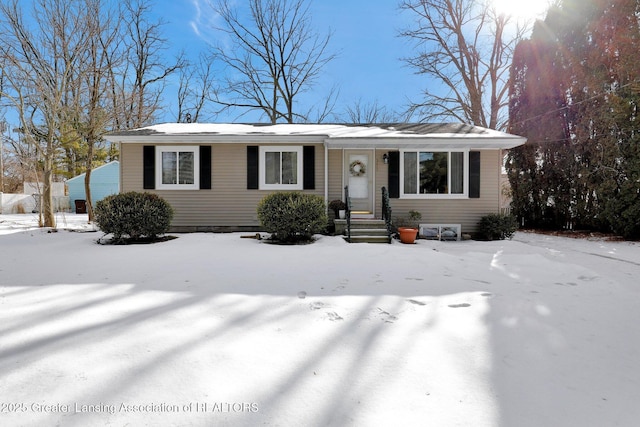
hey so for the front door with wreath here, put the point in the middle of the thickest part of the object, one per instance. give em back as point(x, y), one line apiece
point(359, 175)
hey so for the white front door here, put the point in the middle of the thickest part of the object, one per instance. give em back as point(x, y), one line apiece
point(359, 174)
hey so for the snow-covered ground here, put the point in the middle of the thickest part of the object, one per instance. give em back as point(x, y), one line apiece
point(215, 329)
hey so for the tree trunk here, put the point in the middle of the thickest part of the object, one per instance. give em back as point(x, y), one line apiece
point(46, 208)
point(87, 191)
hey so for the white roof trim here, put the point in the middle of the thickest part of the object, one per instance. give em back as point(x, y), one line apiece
point(332, 135)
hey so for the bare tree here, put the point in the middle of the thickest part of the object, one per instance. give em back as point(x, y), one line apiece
point(93, 82)
point(195, 88)
point(274, 56)
point(371, 112)
point(20, 162)
point(137, 69)
point(41, 55)
point(146, 72)
point(74, 69)
point(467, 48)
point(3, 128)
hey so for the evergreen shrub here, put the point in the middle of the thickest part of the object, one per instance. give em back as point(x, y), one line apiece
point(133, 216)
point(497, 227)
point(623, 210)
point(292, 217)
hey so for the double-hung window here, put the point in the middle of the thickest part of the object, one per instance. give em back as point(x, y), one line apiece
point(177, 168)
point(280, 168)
point(434, 174)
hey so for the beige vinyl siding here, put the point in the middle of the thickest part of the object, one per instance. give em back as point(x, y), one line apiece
point(336, 186)
point(228, 205)
point(466, 212)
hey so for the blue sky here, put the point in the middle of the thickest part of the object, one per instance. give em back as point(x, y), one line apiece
point(364, 36)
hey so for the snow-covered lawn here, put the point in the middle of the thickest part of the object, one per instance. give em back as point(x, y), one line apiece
point(214, 329)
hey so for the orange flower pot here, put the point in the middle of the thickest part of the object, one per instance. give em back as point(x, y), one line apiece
point(407, 234)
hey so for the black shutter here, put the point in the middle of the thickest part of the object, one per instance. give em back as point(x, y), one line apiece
point(309, 167)
point(474, 174)
point(394, 174)
point(252, 167)
point(149, 167)
point(205, 167)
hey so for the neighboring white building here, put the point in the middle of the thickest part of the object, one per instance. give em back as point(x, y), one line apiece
point(28, 201)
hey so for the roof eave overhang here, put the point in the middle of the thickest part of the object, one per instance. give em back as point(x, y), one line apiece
point(408, 142)
point(426, 143)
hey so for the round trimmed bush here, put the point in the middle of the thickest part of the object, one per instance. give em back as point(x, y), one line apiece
point(292, 216)
point(133, 215)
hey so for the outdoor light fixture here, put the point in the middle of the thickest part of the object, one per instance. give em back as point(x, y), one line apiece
point(385, 158)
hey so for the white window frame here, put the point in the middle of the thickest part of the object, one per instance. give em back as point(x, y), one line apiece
point(263, 169)
point(465, 182)
point(178, 149)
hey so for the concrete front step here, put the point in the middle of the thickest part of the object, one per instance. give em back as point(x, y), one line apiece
point(368, 239)
point(364, 230)
point(341, 224)
point(369, 232)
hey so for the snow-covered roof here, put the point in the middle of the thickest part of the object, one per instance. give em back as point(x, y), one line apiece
point(398, 135)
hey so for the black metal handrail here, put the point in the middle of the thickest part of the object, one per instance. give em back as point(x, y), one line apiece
point(347, 202)
point(386, 211)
